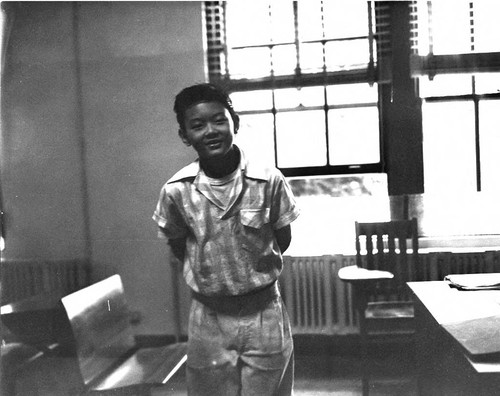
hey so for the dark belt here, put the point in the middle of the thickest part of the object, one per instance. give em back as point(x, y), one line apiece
point(251, 302)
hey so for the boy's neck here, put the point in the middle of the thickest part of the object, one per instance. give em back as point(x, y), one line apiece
point(220, 167)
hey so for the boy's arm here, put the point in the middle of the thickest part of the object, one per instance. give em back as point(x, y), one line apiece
point(284, 237)
point(178, 247)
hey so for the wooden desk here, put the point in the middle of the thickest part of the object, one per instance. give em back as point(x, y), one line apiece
point(443, 366)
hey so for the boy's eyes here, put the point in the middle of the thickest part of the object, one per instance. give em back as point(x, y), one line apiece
point(201, 125)
point(221, 120)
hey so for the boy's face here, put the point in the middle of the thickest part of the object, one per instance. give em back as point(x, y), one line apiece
point(209, 128)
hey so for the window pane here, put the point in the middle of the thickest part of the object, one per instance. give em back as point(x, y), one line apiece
point(301, 139)
point(451, 27)
point(453, 214)
point(312, 96)
point(252, 100)
point(346, 18)
point(284, 59)
point(352, 94)
point(338, 200)
point(489, 120)
point(249, 62)
point(311, 57)
point(291, 98)
point(487, 83)
point(354, 136)
point(256, 136)
point(345, 55)
point(241, 20)
point(449, 148)
point(282, 21)
point(310, 20)
point(446, 85)
point(336, 20)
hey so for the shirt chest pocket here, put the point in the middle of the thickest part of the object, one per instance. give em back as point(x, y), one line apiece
point(256, 231)
point(256, 238)
point(255, 218)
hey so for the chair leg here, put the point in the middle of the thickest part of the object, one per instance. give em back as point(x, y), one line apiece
point(365, 375)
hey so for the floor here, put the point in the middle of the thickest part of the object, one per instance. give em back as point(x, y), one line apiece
point(326, 366)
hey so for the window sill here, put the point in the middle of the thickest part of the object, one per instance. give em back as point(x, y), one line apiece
point(462, 244)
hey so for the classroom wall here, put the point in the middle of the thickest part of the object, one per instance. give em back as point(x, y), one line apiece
point(41, 166)
point(89, 137)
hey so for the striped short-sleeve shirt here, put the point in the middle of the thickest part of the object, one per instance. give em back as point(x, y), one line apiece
point(232, 250)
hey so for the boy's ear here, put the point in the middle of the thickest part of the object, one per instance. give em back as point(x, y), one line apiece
point(183, 137)
point(236, 122)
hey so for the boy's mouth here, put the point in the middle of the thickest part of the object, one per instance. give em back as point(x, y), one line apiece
point(214, 144)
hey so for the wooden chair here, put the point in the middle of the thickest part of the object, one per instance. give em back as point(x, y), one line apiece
point(387, 257)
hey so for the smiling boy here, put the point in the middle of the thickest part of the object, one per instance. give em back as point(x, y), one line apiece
point(228, 220)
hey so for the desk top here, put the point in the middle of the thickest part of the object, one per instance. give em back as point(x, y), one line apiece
point(449, 306)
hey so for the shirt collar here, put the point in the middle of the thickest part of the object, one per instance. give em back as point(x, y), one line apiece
point(251, 170)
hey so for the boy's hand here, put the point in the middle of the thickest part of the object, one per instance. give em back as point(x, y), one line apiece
point(284, 237)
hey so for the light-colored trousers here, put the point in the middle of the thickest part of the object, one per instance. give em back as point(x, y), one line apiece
point(240, 346)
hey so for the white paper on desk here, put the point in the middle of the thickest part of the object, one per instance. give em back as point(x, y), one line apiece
point(483, 281)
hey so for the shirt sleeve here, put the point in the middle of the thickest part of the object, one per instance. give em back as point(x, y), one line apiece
point(168, 217)
point(284, 207)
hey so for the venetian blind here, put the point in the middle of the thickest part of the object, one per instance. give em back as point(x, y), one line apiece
point(308, 43)
point(459, 36)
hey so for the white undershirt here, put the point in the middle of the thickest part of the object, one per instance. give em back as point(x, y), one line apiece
point(225, 190)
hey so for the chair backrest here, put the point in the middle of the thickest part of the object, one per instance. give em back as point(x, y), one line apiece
point(100, 323)
point(390, 246)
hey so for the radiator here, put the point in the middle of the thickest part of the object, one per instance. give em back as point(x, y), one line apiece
point(22, 279)
point(438, 265)
point(318, 302)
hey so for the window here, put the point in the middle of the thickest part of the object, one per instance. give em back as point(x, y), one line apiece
point(329, 207)
point(302, 78)
point(456, 57)
point(461, 137)
point(456, 53)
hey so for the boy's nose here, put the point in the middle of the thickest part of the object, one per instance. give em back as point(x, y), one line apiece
point(210, 127)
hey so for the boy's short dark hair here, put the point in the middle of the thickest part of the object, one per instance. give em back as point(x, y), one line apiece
point(203, 93)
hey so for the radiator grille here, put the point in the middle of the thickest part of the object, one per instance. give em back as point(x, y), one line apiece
point(318, 302)
point(22, 279)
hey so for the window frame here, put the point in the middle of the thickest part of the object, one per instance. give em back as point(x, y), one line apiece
point(431, 65)
point(218, 73)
